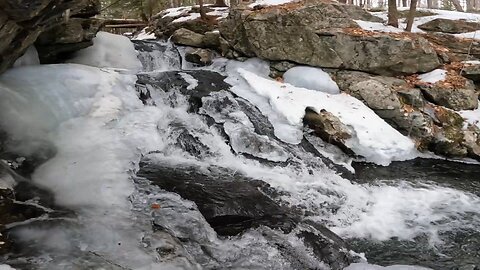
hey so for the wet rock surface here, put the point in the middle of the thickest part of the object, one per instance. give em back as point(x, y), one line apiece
point(233, 204)
point(207, 81)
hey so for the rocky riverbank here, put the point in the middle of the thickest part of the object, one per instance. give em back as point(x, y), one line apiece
point(419, 83)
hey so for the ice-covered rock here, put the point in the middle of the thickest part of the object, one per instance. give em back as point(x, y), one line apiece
point(311, 78)
point(109, 50)
point(29, 58)
point(372, 137)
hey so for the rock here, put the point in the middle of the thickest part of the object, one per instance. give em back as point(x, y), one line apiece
point(21, 22)
point(450, 26)
point(207, 82)
point(457, 49)
point(211, 39)
point(186, 37)
point(317, 35)
point(165, 25)
point(459, 98)
point(202, 57)
point(57, 43)
point(472, 72)
point(388, 97)
point(231, 204)
point(328, 127)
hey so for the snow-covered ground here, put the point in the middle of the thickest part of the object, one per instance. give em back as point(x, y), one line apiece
point(444, 14)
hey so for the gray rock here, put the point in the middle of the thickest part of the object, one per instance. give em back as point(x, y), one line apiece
point(465, 98)
point(186, 37)
point(315, 35)
point(60, 41)
point(22, 21)
point(329, 128)
point(472, 72)
point(450, 26)
point(202, 57)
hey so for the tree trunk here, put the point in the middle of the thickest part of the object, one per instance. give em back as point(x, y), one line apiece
point(457, 5)
point(203, 15)
point(435, 4)
point(429, 3)
point(404, 3)
point(470, 4)
point(350, 2)
point(220, 3)
point(411, 15)
point(476, 4)
point(392, 13)
point(343, 1)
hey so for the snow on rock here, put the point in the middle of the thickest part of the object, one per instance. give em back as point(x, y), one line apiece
point(443, 14)
point(270, 2)
point(311, 78)
point(376, 26)
point(471, 116)
point(109, 50)
point(190, 17)
point(372, 137)
point(6, 267)
point(174, 12)
point(433, 76)
point(29, 58)
point(144, 35)
point(367, 266)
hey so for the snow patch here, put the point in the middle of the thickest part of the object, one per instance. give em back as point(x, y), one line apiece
point(367, 266)
point(144, 35)
point(372, 138)
point(174, 12)
point(471, 116)
point(433, 76)
point(270, 2)
point(311, 78)
point(109, 50)
point(190, 17)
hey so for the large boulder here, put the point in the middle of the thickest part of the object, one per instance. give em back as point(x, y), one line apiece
point(456, 98)
point(60, 41)
point(187, 37)
point(324, 34)
point(450, 26)
point(22, 21)
point(188, 17)
point(393, 100)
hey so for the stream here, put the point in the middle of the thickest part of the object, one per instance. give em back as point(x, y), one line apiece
point(168, 168)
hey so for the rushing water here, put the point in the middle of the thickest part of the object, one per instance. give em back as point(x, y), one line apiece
point(208, 183)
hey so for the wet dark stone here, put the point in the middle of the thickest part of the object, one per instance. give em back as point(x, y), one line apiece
point(231, 203)
point(208, 81)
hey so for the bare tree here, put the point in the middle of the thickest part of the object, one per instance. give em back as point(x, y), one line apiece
point(470, 4)
point(392, 13)
point(457, 5)
point(404, 3)
point(220, 3)
point(203, 14)
point(476, 4)
point(411, 15)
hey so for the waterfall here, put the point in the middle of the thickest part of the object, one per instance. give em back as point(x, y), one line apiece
point(172, 169)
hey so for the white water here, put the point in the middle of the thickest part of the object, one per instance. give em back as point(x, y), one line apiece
point(100, 129)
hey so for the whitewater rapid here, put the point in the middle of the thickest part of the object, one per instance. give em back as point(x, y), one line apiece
point(89, 112)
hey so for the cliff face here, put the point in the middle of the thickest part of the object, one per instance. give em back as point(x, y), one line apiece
point(23, 21)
